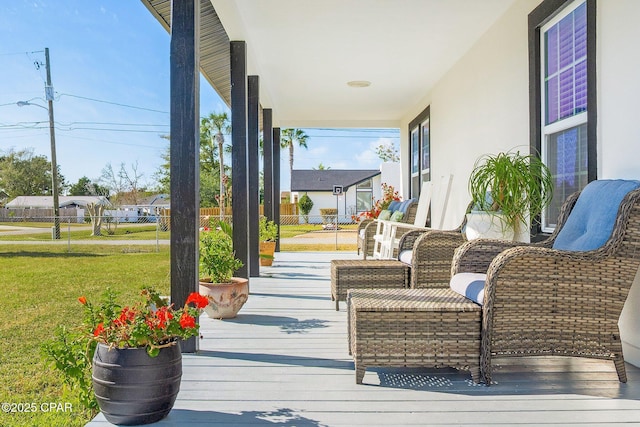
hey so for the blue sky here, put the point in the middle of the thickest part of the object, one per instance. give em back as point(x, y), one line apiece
point(110, 72)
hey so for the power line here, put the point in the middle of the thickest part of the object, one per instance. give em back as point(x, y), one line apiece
point(113, 103)
point(113, 142)
point(20, 53)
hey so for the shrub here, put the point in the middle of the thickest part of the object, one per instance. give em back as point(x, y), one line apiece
point(305, 203)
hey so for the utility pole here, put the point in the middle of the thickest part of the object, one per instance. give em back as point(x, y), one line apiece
point(54, 165)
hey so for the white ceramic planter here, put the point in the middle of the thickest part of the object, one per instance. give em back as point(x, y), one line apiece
point(487, 226)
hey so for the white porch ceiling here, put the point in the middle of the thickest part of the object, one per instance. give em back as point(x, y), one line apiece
point(305, 52)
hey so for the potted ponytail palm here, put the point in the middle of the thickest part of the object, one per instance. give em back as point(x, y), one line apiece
point(507, 190)
point(218, 263)
point(268, 231)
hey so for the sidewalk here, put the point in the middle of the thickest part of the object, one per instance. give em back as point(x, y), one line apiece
point(323, 237)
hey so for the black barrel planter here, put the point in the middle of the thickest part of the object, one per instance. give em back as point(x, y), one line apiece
point(132, 388)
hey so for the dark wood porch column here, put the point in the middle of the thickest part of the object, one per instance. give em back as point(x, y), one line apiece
point(239, 162)
point(184, 153)
point(253, 107)
point(267, 145)
point(276, 182)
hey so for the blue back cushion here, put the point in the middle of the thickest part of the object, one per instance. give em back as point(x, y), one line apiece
point(405, 205)
point(393, 206)
point(591, 220)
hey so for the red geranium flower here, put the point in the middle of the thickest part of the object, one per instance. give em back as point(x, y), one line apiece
point(163, 315)
point(151, 322)
point(99, 329)
point(199, 300)
point(187, 321)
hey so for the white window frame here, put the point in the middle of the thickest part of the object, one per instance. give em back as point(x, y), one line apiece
point(561, 124)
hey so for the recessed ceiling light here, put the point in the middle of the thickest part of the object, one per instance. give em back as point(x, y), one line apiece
point(359, 83)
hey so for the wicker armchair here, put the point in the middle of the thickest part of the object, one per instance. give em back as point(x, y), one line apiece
point(429, 254)
point(542, 301)
point(367, 229)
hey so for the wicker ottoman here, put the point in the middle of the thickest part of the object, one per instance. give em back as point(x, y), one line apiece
point(413, 328)
point(366, 274)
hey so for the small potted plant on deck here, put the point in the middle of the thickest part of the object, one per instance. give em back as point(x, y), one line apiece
point(218, 263)
point(507, 189)
point(268, 231)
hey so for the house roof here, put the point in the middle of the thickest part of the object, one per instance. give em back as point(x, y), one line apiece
point(324, 180)
point(47, 201)
point(402, 48)
point(155, 200)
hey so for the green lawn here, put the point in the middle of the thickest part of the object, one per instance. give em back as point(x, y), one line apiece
point(40, 286)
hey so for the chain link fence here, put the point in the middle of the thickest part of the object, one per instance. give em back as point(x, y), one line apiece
point(121, 227)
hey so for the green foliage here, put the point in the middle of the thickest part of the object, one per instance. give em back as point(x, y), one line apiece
point(517, 184)
point(388, 153)
point(28, 321)
point(305, 204)
point(268, 230)
point(150, 322)
point(322, 167)
point(217, 258)
point(84, 187)
point(71, 353)
point(213, 169)
point(24, 174)
point(288, 139)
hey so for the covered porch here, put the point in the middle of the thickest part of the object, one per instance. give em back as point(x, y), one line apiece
point(284, 361)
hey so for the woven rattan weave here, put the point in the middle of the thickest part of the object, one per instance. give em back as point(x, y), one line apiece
point(413, 328)
point(364, 274)
point(540, 301)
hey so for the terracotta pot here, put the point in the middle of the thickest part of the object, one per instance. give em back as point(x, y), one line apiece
point(267, 249)
point(225, 299)
point(132, 388)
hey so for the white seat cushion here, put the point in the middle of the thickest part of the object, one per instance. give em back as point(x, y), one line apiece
point(470, 285)
point(362, 233)
point(406, 257)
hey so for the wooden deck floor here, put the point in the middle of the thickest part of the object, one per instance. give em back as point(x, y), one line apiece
point(284, 362)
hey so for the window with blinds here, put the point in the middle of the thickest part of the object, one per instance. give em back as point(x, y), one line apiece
point(564, 104)
point(419, 152)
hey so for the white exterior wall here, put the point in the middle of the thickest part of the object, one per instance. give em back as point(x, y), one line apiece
point(391, 174)
point(618, 88)
point(481, 106)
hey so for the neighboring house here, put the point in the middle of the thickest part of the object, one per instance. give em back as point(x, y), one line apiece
point(36, 208)
point(149, 207)
point(46, 202)
point(359, 188)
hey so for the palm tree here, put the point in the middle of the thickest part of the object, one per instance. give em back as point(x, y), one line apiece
point(322, 167)
point(288, 139)
point(213, 128)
